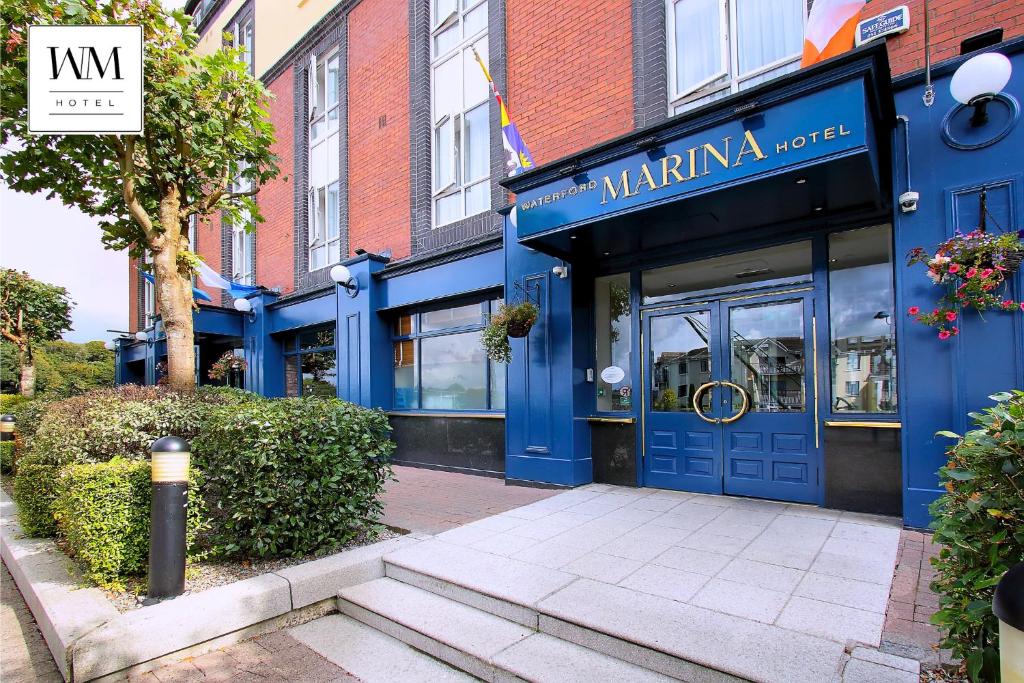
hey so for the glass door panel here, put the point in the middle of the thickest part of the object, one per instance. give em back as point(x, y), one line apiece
point(767, 356)
point(680, 361)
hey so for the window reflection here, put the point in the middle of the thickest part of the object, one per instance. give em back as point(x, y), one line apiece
point(767, 342)
point(310, 364)
point(863, 348)
point(680, 361)
point(613, 321)
point(453, 376)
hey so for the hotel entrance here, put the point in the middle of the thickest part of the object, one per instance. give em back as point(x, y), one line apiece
point(729, 400)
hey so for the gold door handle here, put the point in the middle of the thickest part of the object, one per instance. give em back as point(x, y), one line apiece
point(696, 402)
point(746, 402)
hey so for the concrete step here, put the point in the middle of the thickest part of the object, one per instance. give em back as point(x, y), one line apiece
point(372, 656)
point(485, 645)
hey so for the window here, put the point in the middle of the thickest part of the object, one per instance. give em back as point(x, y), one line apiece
point(439, 363)
point(718, 47)
point(241, 30)
point(863, 345)
point(324, 229)
point(310, 364)
point(148, 292)
point(459, 111)
point(613, 319)
point(243, 237)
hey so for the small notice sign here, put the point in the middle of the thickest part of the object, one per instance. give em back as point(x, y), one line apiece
point(896, 20)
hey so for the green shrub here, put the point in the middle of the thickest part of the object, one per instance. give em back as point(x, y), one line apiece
point(35, 488)
point(291, 476)
point(102, 512)
point(6, 457)
point(123, 422)
point(980, 523)
point(8, 402)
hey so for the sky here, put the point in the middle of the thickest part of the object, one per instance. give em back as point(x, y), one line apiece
point(62, 246)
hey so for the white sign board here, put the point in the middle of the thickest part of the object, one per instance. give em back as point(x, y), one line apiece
point(613, 374)
point(896, 20)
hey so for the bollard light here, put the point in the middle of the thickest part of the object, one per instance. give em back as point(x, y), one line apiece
point(1008, 606)
point(169, 468)
point(7, 427)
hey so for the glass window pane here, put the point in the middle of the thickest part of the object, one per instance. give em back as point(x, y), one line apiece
point(319, 374)
point(445, 318)
point(291, 376)
point(478, 198)
point(447, 39)
point(497, 371)
point(613, 318)
point(315, 339)
point(444, 155)
point(767, 31)
point(406, 395)
point(403, 325)
point(475, 21)
point(446, 209)
point(785, 264)
point(478, 143)
point(443, 9)
point(332, 211)
point(447, 87)
point(334, 252)
point(698, 48)
point(321, 89)
point(767, 358)
point(680, 361)
point(331, 89)
point(476, 87)
point(453, 368)
point(863, 344)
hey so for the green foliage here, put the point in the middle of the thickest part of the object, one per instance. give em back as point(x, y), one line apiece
point(124, 421)
point(495, 336)
point(28, 416)
point(63, 368)
point(102, 512)
point(35, 488)
point(291, 476)
point(8, 402)
point(32, 311)
point(668, 401)
point(980, 523)
point(6, 457)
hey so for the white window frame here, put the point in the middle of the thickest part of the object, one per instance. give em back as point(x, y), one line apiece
point(724, 82)
point(459, 183)
point(243, 238)
point(148, 293)
point(316, 230)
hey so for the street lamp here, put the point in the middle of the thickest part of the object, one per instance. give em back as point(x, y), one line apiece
point(977, 82)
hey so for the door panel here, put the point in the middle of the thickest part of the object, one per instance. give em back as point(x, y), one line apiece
point(682, 450)
point(770, 450)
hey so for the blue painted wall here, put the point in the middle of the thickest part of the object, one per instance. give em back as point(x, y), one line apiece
point(941, 381)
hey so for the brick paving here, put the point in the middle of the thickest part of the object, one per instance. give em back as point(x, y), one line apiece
point(912, 603)
point(25, 656)
point(432, 501)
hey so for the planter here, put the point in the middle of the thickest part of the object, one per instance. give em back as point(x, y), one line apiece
point(518, 329)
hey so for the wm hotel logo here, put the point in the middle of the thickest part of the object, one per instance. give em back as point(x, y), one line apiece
point(85, 80)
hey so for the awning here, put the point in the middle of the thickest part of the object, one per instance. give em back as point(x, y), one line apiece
point(811, 144)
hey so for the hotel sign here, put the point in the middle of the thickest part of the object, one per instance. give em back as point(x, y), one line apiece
point(810, 129)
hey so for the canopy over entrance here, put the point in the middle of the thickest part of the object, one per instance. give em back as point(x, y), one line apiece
point(810, 144)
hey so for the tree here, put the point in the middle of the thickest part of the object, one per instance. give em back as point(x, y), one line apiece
point(31, 312)
point(206, 134)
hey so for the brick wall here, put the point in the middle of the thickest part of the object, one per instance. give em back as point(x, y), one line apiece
point(951, 22)
point(208, 246)
point(275, 250)
point(570, 72)
point(378, 124)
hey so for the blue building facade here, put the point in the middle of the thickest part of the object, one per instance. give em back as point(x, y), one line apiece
point(722, 304)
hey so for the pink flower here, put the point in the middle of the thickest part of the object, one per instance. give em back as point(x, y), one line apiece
point(913, 310)
point(954, 268)
point(955, 330)
point(950, 316)
point(972, 271)
point(987, 272)
point(944, 334)
point(1008, 305)
point(935, 312)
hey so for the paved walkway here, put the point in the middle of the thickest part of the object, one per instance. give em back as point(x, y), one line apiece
point(25, 658)
point(432, 501)
point(912, 603)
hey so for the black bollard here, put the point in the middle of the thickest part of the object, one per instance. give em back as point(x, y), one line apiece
point(167, 518)
point(7, 427)
point(1008, 606)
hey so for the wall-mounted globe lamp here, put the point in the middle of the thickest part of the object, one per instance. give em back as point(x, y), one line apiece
point(343, 277)
point(244, 306)
point(109, 345)
point(978, 81)
point(142, 336)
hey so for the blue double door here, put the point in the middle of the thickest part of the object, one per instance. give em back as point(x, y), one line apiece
point(729, 403)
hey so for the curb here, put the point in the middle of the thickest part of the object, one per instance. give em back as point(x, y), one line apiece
point(90, 639)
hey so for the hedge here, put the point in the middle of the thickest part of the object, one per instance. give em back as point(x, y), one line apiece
point(291, 476)
point(35, 488)
point(6, 456)
point(8, 402)
point(979, 522)
point(103, 513)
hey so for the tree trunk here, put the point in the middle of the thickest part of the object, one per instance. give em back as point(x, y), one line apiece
point(28, 379)
point(174, 298)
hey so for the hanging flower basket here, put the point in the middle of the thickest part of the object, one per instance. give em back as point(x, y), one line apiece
point(225, 365)
point(511, 321)
point(974, 269)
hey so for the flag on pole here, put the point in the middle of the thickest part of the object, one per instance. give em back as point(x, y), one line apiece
point(196, 293)
point(830, 29)
point(518, 158)
point(211, 278)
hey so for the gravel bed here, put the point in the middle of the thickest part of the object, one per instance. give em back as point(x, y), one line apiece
point(211, 573)
point(941, 674)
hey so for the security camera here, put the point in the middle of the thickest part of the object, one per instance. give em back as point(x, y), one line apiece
point(560, 271)
point(908, 201)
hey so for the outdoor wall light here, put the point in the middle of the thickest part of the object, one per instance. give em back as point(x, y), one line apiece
point(977, 82)
point(141, 336)
point(109, 345)
point(243, 305)
point(343, 277)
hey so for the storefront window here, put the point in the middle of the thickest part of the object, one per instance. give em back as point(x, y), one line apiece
point(613, 318)
point(439, 363)
point(863, 345)
point(310, 366)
